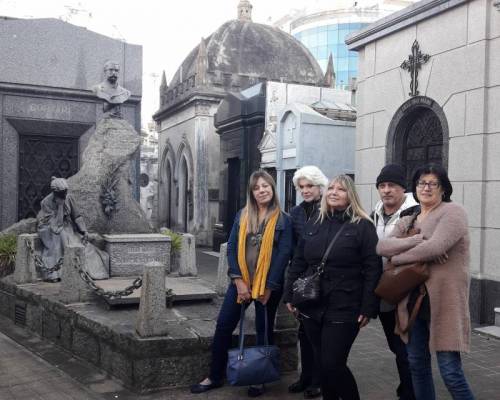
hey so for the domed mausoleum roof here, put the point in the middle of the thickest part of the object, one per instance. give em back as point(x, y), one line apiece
point(240, 54)
point(257, 50)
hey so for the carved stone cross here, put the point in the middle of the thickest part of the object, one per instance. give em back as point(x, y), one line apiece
point(415, 61)
point(291, 133)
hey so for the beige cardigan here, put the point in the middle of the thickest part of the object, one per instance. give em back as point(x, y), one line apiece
point(444, 230)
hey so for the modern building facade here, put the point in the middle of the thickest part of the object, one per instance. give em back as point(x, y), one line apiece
point(323, 26)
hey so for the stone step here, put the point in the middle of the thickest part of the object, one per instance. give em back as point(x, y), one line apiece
point(497, 316)
point(183, 288)
point(493, 331)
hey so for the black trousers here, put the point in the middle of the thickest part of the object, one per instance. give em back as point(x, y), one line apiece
point(332, 342)
point(397, 346)
point(310, 371)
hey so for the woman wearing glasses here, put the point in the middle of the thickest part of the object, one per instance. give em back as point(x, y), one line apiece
point(351, 273)
point(443, 323)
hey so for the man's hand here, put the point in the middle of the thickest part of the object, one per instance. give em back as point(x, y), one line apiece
point(243, 290)
point(363, 321)
point(265, 298)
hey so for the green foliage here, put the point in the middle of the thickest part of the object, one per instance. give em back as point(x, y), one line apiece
point(176, 240)
point(8, 247)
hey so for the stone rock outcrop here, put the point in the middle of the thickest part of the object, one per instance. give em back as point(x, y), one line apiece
point(27, 225)
point(105, 175)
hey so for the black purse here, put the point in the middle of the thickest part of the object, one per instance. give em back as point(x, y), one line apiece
point(307, 290)
point(253, 365)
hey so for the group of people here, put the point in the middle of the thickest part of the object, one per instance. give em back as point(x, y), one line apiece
point(268, 250)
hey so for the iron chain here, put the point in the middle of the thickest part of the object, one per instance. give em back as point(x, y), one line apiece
point(39, 263)
point(116, 294)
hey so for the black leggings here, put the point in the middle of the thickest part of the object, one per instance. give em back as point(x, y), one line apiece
point(332, 342)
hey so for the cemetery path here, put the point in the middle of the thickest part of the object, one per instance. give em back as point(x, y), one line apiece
point(34, 369)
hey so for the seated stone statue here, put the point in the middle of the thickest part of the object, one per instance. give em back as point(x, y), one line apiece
point(59, 225)
point(109, 90)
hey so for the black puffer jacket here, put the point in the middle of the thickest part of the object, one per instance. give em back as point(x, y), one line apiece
point(352, 270)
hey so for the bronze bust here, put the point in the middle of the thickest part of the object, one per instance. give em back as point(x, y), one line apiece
point(113, 94)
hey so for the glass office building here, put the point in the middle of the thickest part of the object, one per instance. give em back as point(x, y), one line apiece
point(323, 25)
point(329, 39)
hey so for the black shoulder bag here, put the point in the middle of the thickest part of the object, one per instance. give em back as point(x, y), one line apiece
point(307, 290)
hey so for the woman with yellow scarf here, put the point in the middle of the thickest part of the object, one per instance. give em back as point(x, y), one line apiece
point(258, 251)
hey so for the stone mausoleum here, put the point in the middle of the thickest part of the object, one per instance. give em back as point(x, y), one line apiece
point(47, 109)
point(238, 55)
point(429, 90)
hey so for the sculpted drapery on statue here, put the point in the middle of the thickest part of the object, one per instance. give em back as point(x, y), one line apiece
point(60, 224)
point(110, 91)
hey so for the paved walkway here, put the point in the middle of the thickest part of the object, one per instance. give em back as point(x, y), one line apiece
point(38, 370)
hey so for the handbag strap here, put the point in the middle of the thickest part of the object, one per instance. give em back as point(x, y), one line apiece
point(329, 248)
point(242, 328)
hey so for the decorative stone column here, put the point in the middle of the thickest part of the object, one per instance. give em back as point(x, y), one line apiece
point(25, 270)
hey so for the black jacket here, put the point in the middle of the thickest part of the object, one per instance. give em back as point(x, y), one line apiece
point(300, 217)
point(352, 270)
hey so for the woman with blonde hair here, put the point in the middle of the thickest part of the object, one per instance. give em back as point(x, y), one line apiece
point(350, 274)
point(258, 251)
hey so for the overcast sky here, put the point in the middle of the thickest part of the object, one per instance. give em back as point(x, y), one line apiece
point(167, 30)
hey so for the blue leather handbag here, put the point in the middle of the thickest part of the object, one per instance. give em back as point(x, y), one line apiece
point(253, 365)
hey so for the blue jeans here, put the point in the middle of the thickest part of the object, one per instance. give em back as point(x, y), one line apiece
point(229, 316)
point(449, 362)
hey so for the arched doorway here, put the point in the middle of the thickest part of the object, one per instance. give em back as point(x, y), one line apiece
point(418, 134)
point(166, 190)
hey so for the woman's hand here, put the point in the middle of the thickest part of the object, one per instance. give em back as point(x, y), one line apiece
point(363, 321)
point(291, 308)
point(265, 298)
point(243, 290)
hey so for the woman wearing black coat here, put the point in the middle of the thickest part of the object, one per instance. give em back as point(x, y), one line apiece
point(351, 273)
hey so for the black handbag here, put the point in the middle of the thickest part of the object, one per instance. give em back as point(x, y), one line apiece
point(253, 365)
point(307, 290)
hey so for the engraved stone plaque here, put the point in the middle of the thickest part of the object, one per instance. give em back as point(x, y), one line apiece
point(128, 254)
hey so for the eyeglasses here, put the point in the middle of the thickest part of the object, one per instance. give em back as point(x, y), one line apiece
point(431, 185)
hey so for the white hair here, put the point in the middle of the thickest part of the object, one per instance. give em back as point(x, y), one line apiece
point(313, 174)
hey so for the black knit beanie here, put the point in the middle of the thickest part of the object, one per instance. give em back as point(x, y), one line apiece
point(392, 173)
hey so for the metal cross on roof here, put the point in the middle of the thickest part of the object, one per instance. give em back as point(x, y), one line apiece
point(415, 61)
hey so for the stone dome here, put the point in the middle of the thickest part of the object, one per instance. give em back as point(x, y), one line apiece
point(250, 50)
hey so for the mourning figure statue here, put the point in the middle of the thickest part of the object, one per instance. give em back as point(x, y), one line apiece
point(59, 224)
point(113, 94)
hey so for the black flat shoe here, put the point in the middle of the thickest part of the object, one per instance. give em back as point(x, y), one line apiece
point(312, 392)
point(297, 387)
point(199, 388)
point(256, 391)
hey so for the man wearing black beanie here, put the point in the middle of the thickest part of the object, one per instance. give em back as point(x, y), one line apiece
point(391, 185)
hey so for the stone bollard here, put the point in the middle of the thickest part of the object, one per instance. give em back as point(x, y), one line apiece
point(73, 289)
point(187, 264)
point(284, 318)
point(151, 318)
point(222, 268)
point(25, 270)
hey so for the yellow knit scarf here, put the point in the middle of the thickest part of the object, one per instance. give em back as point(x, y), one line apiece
point(258, 285)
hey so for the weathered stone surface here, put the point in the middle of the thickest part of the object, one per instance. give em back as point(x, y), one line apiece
point(27, 225)
point(86, 346)
point(187, 264)
point(25, 271)
point(284, 319)
point(222, 268)
point(73, 289)
point(152, 308)
point(109, 155)
point(129, 253)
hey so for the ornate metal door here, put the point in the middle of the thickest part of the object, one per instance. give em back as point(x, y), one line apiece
point(423, 142)
point(40, 158)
